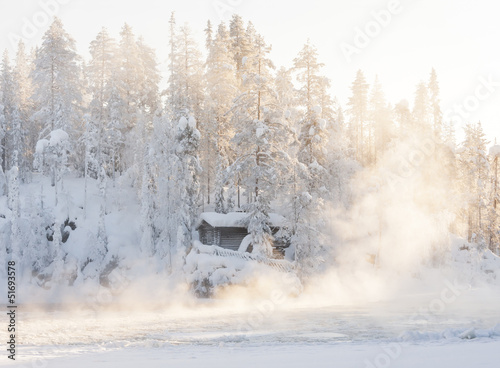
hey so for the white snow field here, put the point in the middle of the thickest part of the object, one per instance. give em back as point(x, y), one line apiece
point(456, 326)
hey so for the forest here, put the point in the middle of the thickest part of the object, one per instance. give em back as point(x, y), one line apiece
point(101, 166)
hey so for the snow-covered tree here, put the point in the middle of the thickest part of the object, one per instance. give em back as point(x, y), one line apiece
point(56, 78)
point(129, 75)
point(186, 150)
point(148, 208)
point(358, 113)
point(313, 132)
point(381, 129)
point(149, 98)
point(217, 130)
point(240, 44)
point(422, 112)
point(437, 115)
point(26, 131)
point(114, 132)
point(262, 139)
point(15, 207)
point(493, 215)
point(403, 117)
point(474, 174)
point(164, 166)
point(51, 157)
point(100, 69)
point(100, 247)
point(308, 67)
point(10, 114)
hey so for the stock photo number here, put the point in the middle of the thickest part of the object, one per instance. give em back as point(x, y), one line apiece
point(11, 309)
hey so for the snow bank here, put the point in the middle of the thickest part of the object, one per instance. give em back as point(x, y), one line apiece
point(210, 272)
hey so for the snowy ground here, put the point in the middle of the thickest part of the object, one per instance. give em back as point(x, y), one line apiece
point(414, 331)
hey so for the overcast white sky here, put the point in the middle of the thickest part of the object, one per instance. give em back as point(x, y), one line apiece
point(459, 38)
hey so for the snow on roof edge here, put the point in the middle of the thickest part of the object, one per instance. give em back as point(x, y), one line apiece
point(234, 219)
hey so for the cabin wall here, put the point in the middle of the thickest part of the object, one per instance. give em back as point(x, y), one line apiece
point(231, 237)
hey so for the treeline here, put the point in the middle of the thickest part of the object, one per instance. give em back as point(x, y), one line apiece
point(230, 133)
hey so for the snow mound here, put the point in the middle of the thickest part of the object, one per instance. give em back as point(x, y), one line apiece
point(210, 269)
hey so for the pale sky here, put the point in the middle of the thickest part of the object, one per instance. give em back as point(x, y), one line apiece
point(459, 38)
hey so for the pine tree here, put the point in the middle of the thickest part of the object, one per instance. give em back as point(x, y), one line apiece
point(403, 118)
point(14, 206)
point(437, 115)
point(493, 226)
point(128, 77)
point(313, 127)
point(116, 109)
point(190, 71)
point(148, 209)
point(173, 102)
point(312, 180)
point(166, 169)
point(25, 132)
point(10, 114)
point(308, 67)
point(422, 113)
point(449, 134)
point(240, 44)
point(217, 130)
point(56, 78)
point(286, 93)
point(149, 98)
point(100, 71)
point(187, 139)
point(101, 246)
point(381, 123)
point(474, 174)
point(263, 135)
point(358, 112)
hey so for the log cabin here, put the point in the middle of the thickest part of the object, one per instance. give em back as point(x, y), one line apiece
point(229, 231)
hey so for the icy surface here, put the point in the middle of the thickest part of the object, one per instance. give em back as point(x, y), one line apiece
point(219, 332)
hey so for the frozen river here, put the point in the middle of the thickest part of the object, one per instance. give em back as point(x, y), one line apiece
point(256, 332)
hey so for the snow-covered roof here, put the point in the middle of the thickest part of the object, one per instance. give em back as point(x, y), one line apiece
point(234, 219)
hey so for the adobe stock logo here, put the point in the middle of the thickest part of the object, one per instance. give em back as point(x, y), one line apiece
point(364, 35)
point(223, 7)
point(31, 26)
